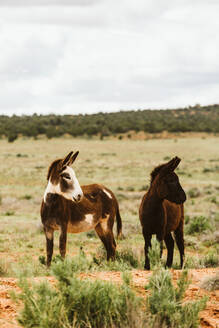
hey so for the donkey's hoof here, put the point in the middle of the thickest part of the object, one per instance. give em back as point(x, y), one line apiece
point(121, 236)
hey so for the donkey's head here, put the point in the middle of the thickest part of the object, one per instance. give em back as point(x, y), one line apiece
point(62, 179)
point(166, 182)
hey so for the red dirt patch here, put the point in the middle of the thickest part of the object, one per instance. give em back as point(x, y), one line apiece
point(209, 317)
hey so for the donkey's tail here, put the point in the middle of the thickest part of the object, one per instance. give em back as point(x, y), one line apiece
point(119, 223)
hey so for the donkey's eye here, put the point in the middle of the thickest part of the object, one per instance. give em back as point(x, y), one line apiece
point(66, 176)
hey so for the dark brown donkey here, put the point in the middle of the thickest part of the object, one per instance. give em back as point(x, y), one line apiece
point(70, 208)
point(161, 211)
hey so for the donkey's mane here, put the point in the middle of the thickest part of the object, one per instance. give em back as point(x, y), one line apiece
point(155, 171)
point(53, 166)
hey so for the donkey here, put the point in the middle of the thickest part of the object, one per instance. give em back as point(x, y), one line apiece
point(70, 208)
point(161, 211)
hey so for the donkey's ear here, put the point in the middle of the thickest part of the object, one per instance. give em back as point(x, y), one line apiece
point(67, 159)
point(73, 158)
point(176, 162)
point(173, 163)
point(170, 166)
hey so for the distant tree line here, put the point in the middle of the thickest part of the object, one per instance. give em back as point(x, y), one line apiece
point(197, 119)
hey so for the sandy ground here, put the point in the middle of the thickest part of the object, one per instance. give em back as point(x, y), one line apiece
point(209, 317)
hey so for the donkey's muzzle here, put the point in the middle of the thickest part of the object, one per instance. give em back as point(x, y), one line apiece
point(181, 198)
point(78, 198)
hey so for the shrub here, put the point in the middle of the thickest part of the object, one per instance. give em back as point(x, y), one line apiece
point(91, 234)
point(29, 268)
point(187, 219)
point(76, 303)
point(120, 197)
point(42, 259)
point(192, 262)
point(51, 132)
point(27, 197)
point(154, 253)
point(125, 260)
point(210, 260)
point(212, 169)
point(191, 241)
point(4, 268)
point(9, 213)
point(213, 200)
point(21, 155)
point(166, 303)
point(144, 188)
point(127, 256)
point(12, 136)
point(130, 188)
point(193, 192)
point(77, 263)
point(210, 239)
point(198, 224)
point(206, 170)
point(211, 283)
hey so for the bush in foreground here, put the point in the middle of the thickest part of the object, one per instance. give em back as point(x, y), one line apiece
point(198, 224)
point(211, 283)
point(211, 260)
point(126, 259)
point(77, 303)
point(166, 303)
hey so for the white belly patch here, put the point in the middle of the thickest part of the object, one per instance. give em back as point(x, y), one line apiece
point(89, 218)
point(84, 225)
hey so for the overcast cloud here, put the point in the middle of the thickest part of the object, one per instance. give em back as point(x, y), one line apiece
point(85, 56)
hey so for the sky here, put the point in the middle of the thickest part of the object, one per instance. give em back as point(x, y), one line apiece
point(87, 56)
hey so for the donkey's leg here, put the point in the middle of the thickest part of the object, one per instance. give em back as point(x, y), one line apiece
point(62, 241)
point(170, 247)
point(106, 236)
point(147, 239)
point(49, 232)
point(180, 242)
point(160, 239)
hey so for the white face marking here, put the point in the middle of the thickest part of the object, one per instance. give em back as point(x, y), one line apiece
point(89, 222)
point(53, 189)
point(89, 218)
point(107, 193)
point(72, 193)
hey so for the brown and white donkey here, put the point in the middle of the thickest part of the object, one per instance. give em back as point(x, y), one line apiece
point(69, 207)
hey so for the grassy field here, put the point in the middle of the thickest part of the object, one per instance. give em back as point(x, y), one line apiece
point(124, 166)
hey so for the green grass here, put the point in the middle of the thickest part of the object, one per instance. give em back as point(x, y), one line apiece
point(165, 303)
point(122, 165)
point(76, 303)
point(198, 224)
point(72, 302)
point(211, 283)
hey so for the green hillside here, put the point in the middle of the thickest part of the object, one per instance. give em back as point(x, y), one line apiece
point(196, 119)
